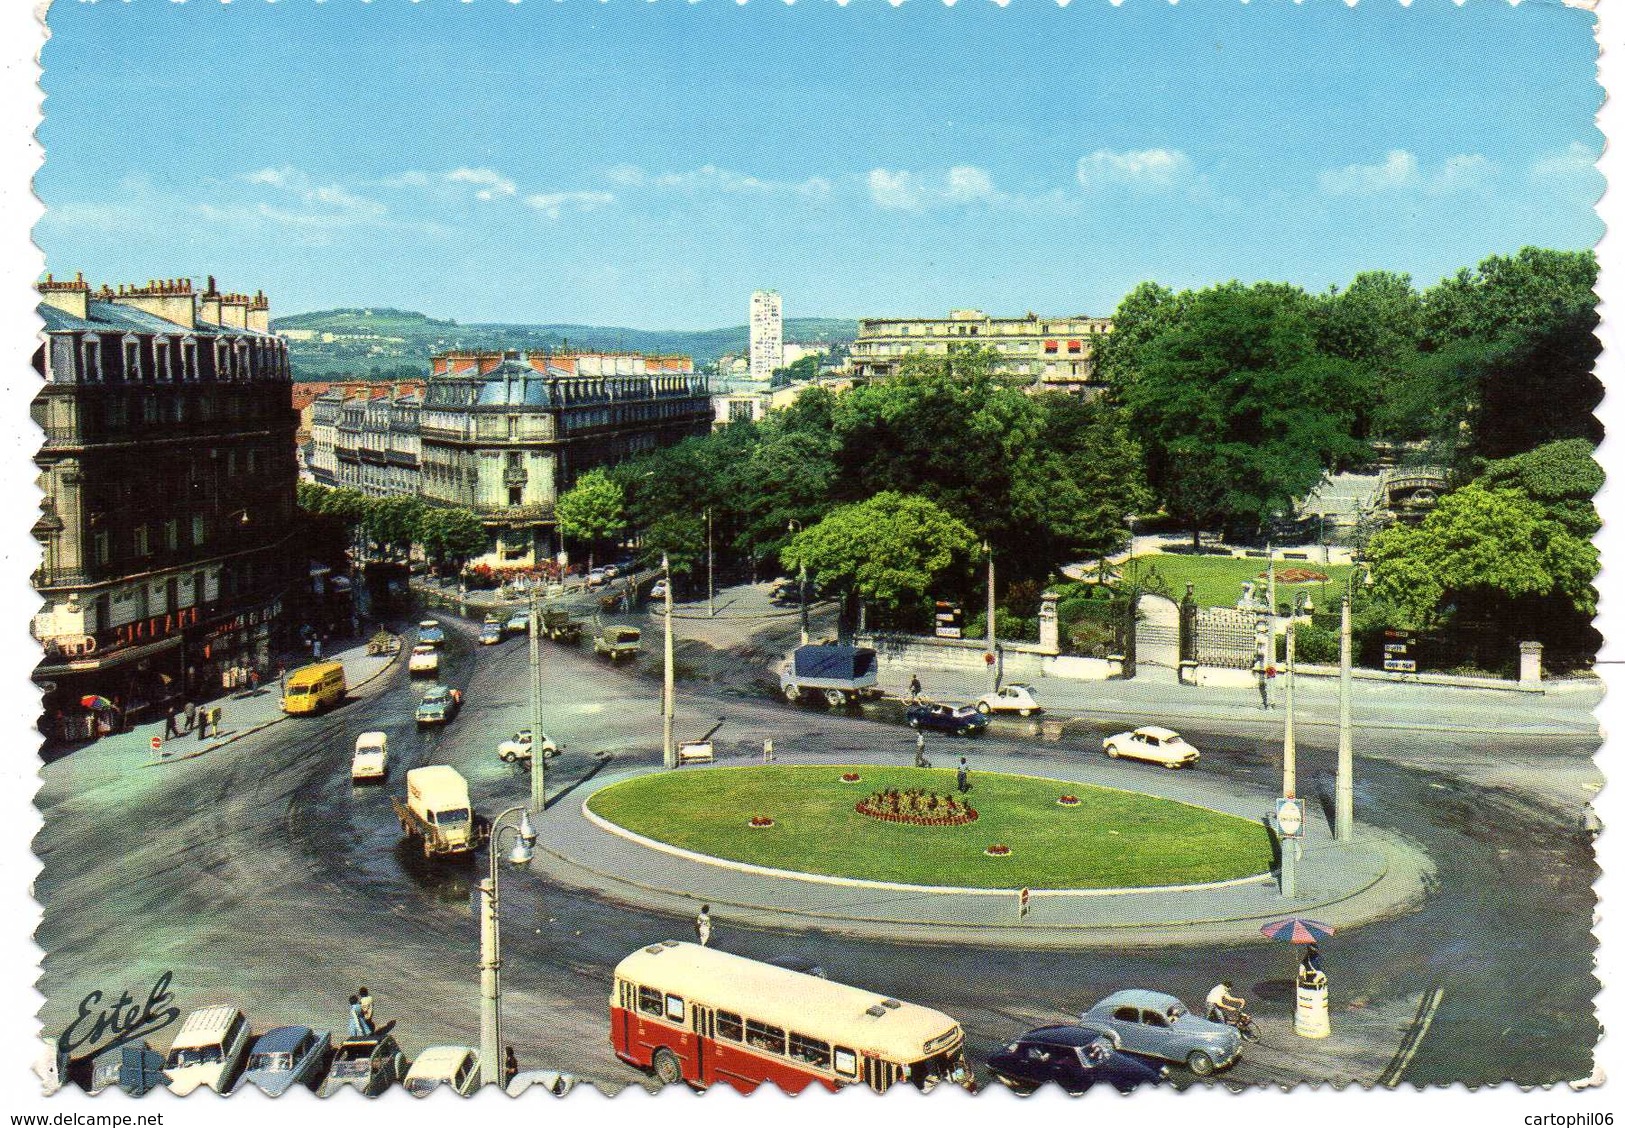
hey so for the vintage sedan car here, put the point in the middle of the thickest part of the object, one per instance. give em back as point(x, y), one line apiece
point(558, 1084)
point(520, 746)
point(429, 633)
point(1073, 1057)
point(518, 623)
point(658, 591)
point(1154, 743)
point(439, 705)
point(960, 720)
point(372, 1065)
point(425, 659)
point(1152, 1024)
point(287, 1056)
point(490, 634)
point(371, 757)
point(457, 1066)
point(1013, 698)
point(598, 577)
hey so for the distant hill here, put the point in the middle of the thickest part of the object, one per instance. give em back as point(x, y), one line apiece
point(393, 343)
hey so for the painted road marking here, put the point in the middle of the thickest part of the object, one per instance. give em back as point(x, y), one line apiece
point(1413, 1038)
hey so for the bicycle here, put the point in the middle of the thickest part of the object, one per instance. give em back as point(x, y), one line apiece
point(1241, 1020)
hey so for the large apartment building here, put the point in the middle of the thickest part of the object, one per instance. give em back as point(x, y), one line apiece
point(766, 334)
point(504, 434)
point(168, 468)
point(1052, 352)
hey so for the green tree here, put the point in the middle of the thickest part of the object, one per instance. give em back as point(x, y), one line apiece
point(450, 535)
point(393, 521)
point(1238, 411)
point(593, 511)
point(888, 550)
point(1489, 553)
point(1561, 477)
point(679, 539)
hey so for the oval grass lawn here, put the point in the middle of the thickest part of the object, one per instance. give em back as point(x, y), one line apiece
point(1112, 839)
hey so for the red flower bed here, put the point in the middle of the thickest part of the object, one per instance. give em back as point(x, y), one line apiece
point(916, 808)
point(997, 850)
point(761, 822)
point(1068, 800)
point(850, 777)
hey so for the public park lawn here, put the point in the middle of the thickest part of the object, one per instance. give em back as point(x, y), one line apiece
point(1218, 579)
point(1112, 839)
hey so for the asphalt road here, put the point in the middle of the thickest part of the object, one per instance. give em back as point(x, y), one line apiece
point(258, 875)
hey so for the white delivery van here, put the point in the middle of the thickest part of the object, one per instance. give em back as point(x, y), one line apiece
point(437, 811)
point(209, 1050)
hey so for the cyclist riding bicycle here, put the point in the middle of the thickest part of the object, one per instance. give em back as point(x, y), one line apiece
point(1223, 1006)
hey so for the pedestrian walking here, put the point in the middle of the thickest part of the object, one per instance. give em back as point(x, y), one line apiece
point(919, 751)
point(316, 649)
point(1263, 685)
point(365, 1000)
point(510, 1067)
point(202, 725)
point(963, 776)
point(359, 1026)
point(253, 679)
point(702, 926)
point(190, 712)
point(914, 688)
point(171, 725)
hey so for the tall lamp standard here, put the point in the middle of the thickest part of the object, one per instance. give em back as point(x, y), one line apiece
point(795, 527)
point(491, 941)
point(538, 757)
point(1302, 604)
point(668, 696)
point(1343, 823)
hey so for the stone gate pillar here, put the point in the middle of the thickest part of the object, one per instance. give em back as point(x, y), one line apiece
point(1049, 623)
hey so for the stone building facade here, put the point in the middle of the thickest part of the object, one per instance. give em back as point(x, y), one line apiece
point(1051, 352)
point(168, 468)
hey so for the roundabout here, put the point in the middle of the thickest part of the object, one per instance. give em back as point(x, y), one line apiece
point(908, 826)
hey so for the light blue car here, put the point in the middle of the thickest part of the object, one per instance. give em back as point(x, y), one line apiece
point(1155, 1025)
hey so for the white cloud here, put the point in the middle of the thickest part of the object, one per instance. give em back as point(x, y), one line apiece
point(961, 185)
point(284, 177)
point(1140, 168)
point(490, 182)
point(307, 203)
point(968, 184)
point(553, 204)
point(1399, 170)
point(627, 175)
point(712, 179)
point(1575, 160)
point(895, 190)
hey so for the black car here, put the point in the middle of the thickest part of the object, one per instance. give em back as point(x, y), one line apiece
point(1073, 1057)
point(966, 720)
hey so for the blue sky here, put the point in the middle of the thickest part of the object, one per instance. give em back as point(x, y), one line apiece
point(648, 164)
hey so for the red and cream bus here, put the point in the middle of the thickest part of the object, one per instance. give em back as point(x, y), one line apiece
point(699, 1015)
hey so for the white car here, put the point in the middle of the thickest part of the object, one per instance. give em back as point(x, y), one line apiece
point(598, 577)
point(658, 591)
point(1013, 698)
point(1152, 743)
point(518, 747)
point(457, 1066)
point(371, 759)
point(425, 659)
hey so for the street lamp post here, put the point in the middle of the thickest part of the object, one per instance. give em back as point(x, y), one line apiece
point(1343, 805)
point(668, 697)
point(538, 754)
point(1301, 604)
point(801, 588)
point(992, 611)
point(491, 942)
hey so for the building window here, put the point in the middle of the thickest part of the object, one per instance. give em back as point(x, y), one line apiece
point(143, 541)
point(1074, 346)
point(101, 547)
point(172, 534)
point(200, 532)
point(1052, 346)
point(516, 495)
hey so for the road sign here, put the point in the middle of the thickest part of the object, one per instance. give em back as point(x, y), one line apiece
point(1026, 900)
point(1399, 651)
point(1289, 817)
point(950, 620)
point(157, 743)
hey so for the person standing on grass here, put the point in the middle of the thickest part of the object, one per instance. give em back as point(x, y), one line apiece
point(964, 776)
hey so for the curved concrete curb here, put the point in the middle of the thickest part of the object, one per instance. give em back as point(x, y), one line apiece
point(894, 886)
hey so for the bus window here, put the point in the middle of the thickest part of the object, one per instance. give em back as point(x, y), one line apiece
point(674, 1008)
point(627, 1000)
point(651, 1002)
point(809, 1050)
point(730, 1027)
point(760, 1036)
point(846, 1062)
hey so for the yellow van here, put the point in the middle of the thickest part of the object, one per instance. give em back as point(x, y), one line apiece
point(311, 689)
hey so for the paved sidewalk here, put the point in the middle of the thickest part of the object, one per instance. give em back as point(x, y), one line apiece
point(1378, 875)
point(241, 713)
point(1156, 695)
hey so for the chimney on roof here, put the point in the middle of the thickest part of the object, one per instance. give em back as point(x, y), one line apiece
point(69, 297)
point(209, 305)
point(234, 311)
point(259, 313)
point(168, 298)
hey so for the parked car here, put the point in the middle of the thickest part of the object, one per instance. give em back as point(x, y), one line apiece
point(288, 1056)
point(960, 720)
point(556, 1083)
point(519, 747)
point(1155, 1025)
point(490, 634)
point(1013, 698)
point(1154, 743)
point(208, 1051)
point(425, 659)
point(429, 632)
point(457, 1066)
point(598, 577)
point(618, 643)
point(439, 705)
point(371, 758)
point(658, 591)
point(372, 1065)
point(1073, 1057)
point(610, 571)
point(518, 623)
